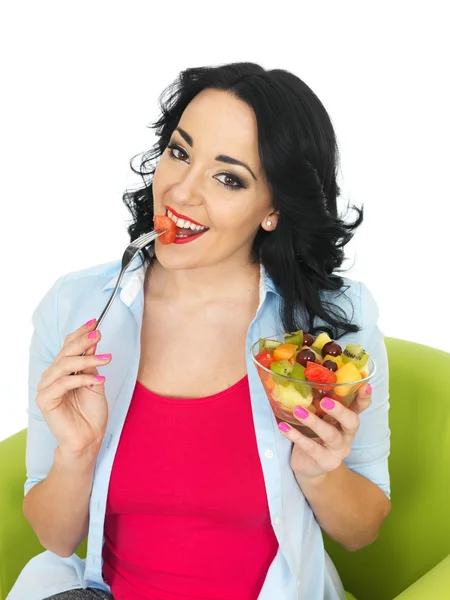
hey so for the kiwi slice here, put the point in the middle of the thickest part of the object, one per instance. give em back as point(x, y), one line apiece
point(298, 372)
point(281, 367)
point(356, 354)
point(294, 338)
point(269, 345)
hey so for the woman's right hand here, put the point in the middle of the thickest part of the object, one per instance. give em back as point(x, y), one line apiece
point(75, 406)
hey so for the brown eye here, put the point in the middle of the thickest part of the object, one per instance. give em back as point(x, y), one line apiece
point(178, 153)
point(230, 181)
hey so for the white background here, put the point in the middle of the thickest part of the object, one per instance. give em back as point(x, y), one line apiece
point(80, 85)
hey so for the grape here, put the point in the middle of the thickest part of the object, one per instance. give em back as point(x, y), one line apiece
point(331, 365)
point(305, 356)
point(331, 348)
point(308, 339)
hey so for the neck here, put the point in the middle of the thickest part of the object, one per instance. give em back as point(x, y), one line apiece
point(217, 282)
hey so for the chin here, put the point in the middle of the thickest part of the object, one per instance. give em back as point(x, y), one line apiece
point(174, 258)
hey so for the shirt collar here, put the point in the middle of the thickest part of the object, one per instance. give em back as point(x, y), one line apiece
point(133, 281)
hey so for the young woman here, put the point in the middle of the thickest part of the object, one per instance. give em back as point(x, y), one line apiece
point(173, 466)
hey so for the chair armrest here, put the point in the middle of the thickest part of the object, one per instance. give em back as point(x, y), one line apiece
point(434, 585)
point(18, 542)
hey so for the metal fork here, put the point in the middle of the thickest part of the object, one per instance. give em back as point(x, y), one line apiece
point(129, 255)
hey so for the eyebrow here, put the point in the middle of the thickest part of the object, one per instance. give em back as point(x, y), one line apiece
point(221, 157)
point(186, 137)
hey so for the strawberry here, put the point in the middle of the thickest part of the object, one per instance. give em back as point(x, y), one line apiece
point(318, 374)
point(164, 223)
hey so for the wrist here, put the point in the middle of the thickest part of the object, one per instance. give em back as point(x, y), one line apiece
point(75, 462)
point(313, 482)
point(318, 481)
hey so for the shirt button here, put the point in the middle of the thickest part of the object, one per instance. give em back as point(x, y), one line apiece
point(268, 453)
point(277, 520)
point(298, 582)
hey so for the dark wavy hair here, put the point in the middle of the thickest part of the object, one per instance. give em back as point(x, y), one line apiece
point(300, 158)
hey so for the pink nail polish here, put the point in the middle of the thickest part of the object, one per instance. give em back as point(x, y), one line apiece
point(99, 378)
point(284, 427)
point(89, 323)
point(103, 356)
point(93, 334)
point(368, 389)
point(328, 404)
point(301, 412)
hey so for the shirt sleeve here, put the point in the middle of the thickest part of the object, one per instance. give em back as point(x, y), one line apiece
point(371, 446)
point(45, 345)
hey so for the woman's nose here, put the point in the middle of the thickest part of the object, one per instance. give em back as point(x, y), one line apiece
point(187, 190)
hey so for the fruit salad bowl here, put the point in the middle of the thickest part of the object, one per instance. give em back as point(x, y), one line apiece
point(298, 369)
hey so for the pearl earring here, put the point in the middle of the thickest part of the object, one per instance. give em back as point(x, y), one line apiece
point(269, 223)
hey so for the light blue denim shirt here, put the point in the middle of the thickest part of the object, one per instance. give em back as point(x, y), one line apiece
point(301, 568)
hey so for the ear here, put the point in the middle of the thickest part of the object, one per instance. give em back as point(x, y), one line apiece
point(271, 221)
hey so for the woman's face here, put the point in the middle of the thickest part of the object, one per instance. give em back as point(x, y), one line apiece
point(198, 179)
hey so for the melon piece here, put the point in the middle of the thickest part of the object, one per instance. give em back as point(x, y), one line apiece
point(264, 358)
point(284, 351)
point(290, 397)
point(319, 374)
point(348, 373)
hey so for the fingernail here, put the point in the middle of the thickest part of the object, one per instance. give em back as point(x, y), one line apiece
point(368, 389)
point(284, 427)
point(93, 334)
point(103, 356)
point(99, 378)
point(327, 403)
point(301, 412)
point(89, 323)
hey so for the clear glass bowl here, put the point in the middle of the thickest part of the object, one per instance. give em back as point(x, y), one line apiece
point(285, 393)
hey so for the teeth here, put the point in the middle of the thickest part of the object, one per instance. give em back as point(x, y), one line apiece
point(184, 223)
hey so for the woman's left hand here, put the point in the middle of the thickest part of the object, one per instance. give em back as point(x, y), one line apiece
point(313, 458)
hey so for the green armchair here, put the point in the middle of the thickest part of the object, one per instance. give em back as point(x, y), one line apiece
point(411, 558)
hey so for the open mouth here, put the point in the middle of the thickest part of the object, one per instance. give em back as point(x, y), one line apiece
point(186, 228)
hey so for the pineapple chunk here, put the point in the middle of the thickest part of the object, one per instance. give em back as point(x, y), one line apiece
point(337, 360)
point(321, 340)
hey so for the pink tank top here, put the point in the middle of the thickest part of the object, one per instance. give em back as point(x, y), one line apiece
point(187, 514)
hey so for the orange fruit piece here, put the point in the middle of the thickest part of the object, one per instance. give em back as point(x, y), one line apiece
point(348, 373)
point(164, 223)
point(285, 351)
